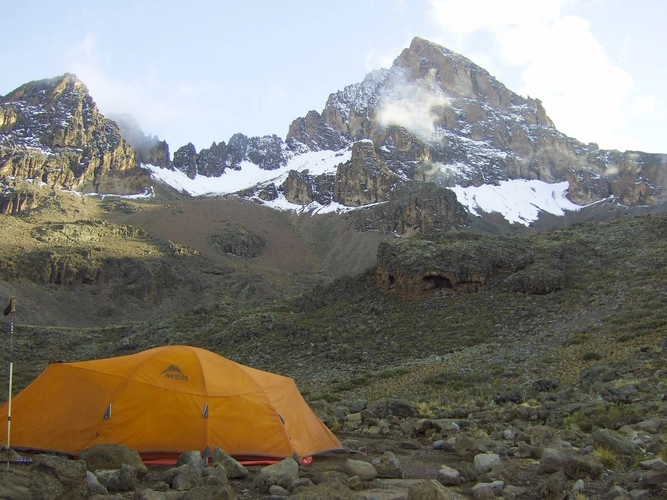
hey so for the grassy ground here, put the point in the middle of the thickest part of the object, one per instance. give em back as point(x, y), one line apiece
point(348, 339)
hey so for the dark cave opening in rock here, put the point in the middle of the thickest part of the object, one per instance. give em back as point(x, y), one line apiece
point(436, 282)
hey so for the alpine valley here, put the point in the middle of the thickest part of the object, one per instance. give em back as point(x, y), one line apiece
point(428, 235)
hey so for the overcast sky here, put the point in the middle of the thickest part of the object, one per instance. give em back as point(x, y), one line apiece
point(200, 71)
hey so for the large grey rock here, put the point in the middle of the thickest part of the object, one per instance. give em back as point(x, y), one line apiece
point(615, 492)
point(112, 456)
point(186, 477)
point(430, 489)
point(215, 475)
point(605, 438)
point(52, 477)
point(483, 491)
point(14, 484)
point(652, 425)
point(574, 466)
point(204, 492)
point(554, 486)
point(7, 454)
point(94, 485)
point(388, 466)
point(194, 459)
point(448, 476)
point(123, 479)
point(484, 462)
point(284, 473)
point(234, 469)
point(364, 470)
point(654, 464)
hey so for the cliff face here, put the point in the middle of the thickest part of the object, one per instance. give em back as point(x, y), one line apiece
point(473, 263)
point(364, 179)
point(51, 132)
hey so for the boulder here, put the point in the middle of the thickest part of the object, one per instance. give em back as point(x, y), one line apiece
point(7, 454)
point(652, 425)
point(215, 475)
point(112, 456)
point(52, 477)
point(574, 466)
point(388, 466)
point(554, 486)
point(209, 493)
point(284, 473)
point(448, 476)
point(605, 438)
point(483, 491)
point(467, 447)
point(123, 479)
point(654, 464)
point(14, 484)
point(194, 459)
point(94, 486)
point(364, 470)
point(484, 462)
point(234, 469)
point(185, 477)
point(430, 489)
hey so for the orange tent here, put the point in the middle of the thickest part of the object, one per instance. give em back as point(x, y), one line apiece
point(166, 401)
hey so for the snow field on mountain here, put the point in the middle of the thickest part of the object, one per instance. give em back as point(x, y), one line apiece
point(518, 201)
point(249, 175)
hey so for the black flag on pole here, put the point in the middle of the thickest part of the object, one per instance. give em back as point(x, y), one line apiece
point(11, 308)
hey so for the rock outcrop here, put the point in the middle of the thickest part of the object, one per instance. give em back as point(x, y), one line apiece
point(51, 132)
point(473, 263)
point(424, 208)
point(365, 179)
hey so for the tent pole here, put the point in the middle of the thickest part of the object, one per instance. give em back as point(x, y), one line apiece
point(11, 309)
point(11, 378)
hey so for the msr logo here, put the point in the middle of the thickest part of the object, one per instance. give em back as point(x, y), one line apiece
point(174, 373)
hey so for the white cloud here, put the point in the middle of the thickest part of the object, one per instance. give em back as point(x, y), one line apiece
point(375, 59)
point(560, 61)
point(157, 104)
point(413, 106)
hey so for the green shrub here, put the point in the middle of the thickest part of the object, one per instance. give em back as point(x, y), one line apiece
point(578, 339)
point(591, 356)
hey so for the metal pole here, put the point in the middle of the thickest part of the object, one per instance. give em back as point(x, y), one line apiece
point(11, 378)
point(11, 309)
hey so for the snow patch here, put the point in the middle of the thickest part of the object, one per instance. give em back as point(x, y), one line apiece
point(249, 174)
point(519, 201)
point(313, 208)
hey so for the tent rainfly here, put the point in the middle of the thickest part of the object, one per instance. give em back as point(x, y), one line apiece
point(163, 402)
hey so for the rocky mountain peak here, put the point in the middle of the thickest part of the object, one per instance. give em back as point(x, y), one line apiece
point(459, 76)
point(48, 92)
point(433, 117)
point(52, 133)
